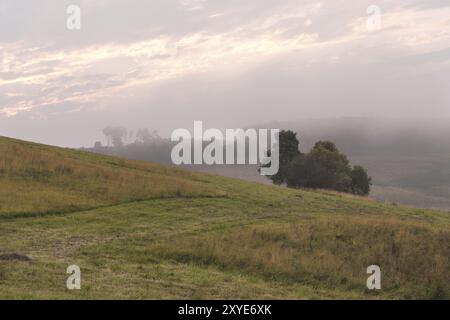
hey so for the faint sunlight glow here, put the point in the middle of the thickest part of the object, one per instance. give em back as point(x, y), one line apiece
point(152, 60)
point(32, 76)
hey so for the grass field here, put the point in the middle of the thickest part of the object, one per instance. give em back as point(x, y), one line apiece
point(143, 231)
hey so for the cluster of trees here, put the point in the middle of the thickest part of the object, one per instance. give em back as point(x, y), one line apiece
point(119, 136)
point(324, 167)
point(140, 144)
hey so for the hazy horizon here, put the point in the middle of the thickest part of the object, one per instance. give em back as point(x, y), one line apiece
point(164, 64)
point(377, 127)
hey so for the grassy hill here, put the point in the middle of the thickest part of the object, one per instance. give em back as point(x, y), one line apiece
point(139, 230)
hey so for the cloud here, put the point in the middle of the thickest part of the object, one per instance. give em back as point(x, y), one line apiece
point(123, 65)
point(293, 58)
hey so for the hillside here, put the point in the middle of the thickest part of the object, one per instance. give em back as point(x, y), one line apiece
point(144, 231)
point(408, 159)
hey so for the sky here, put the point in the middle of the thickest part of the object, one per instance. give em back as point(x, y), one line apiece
point(162, 64)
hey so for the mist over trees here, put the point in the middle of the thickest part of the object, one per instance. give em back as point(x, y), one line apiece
point(408, 160)
point(140, 144)
point(115, 135)
point(324, 167)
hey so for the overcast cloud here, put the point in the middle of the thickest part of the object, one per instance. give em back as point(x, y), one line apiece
point(162, 64)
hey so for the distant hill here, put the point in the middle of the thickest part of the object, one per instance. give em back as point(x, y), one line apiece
point(373, 136)
point(146, 231)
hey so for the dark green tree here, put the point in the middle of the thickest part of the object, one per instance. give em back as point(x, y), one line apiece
point(289, 149)
point(361, 182)
point(336, 169)
point(323, 168)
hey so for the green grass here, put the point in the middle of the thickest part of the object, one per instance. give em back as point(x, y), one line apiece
point(143, 231)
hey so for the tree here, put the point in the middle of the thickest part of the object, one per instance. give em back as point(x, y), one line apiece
point(304, 172)
point(324, 167)
point(288, 146)
point(115, 135)
point(143, 135)
point(327, 145)
point(98, 145)
point(335, 167)
point(361, 182)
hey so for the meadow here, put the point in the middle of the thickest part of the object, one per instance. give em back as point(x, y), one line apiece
point(144, 231)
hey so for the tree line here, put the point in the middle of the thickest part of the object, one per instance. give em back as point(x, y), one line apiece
point(323, 167)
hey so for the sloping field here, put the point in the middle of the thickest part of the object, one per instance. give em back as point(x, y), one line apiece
point(143, 231)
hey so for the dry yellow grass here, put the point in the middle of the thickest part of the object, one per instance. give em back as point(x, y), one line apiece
point(40, 179)
point(331, 252)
